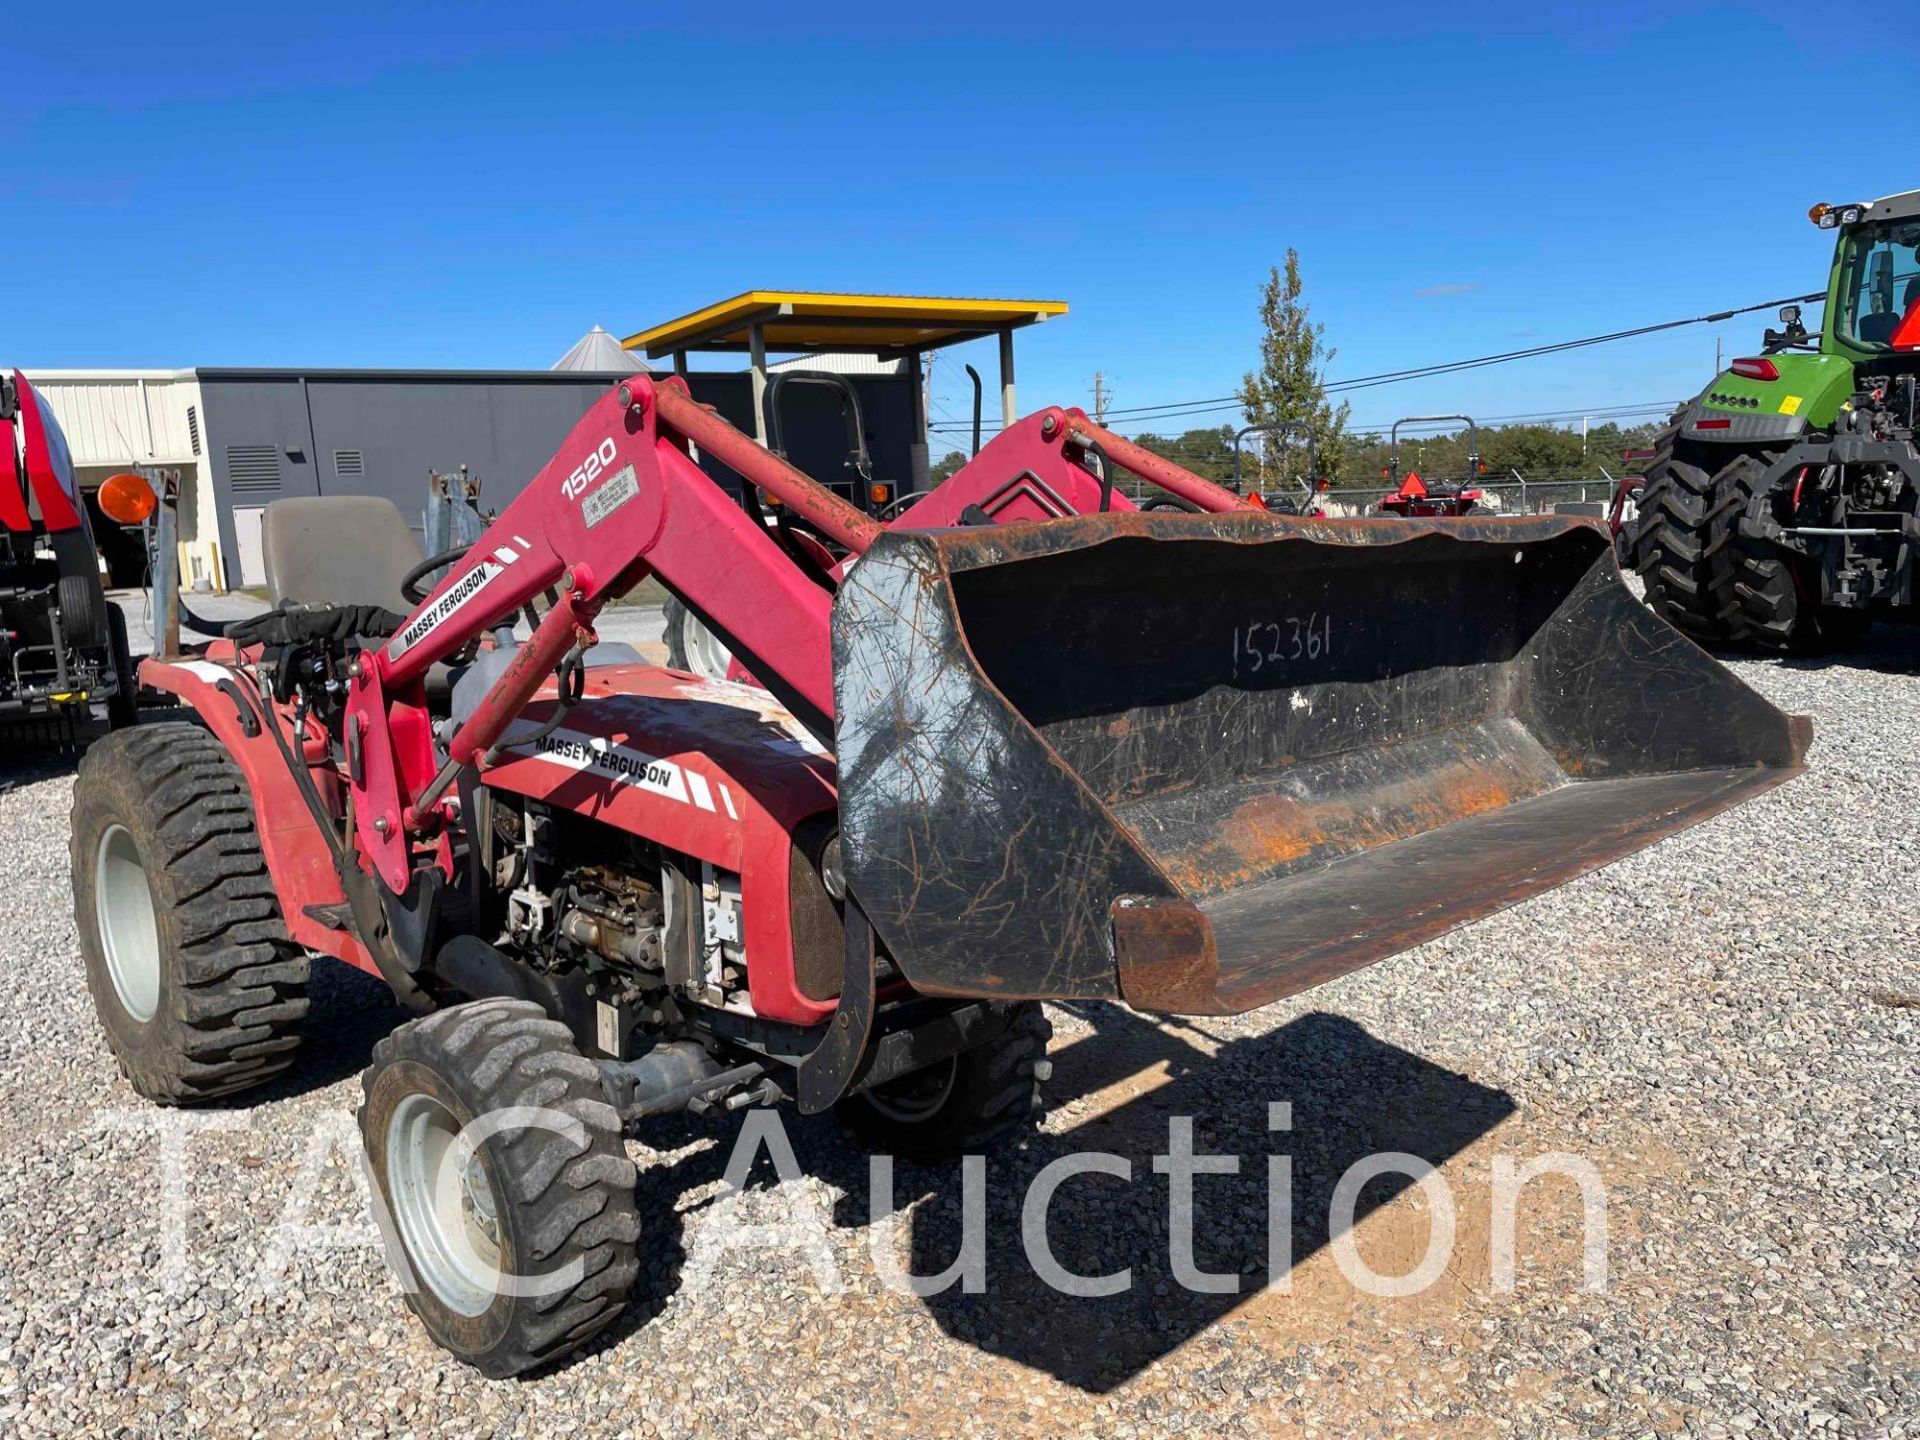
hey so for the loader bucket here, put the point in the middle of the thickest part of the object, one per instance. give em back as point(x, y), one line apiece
point(1201, 762)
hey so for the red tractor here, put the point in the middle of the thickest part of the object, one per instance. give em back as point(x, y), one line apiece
point(1413, 496)
point(63, 645)
point(1193, 762)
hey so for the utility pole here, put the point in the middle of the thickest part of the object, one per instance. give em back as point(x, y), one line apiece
point(1102, 397)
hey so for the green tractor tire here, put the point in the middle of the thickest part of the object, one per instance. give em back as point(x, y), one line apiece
point(1705, 578)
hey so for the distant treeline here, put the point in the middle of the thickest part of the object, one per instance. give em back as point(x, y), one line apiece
point(1539, 452)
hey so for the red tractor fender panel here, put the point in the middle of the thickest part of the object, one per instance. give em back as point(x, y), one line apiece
point(718, 771)
point(49, 466)
point(13, 499)
point(227, 700)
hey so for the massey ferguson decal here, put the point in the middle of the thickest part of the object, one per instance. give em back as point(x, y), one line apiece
point(451, 601)
point(621, 764)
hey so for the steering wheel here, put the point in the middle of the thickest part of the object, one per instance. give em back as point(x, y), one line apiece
point(897, 506)
point(413, 586)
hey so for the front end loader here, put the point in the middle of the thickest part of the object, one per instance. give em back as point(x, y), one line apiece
point(1781, 510)
point(1194, 762)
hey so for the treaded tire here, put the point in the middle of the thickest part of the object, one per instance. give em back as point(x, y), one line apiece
point(558, 1199)
point(994, 1096)
point(1771, 611)
point(123, 706)
point(1679, 543)
point(675, 615)
point(83, 606)
point(226, 986)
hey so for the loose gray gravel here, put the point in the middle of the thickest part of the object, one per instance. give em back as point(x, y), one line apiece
point(1726, 1026)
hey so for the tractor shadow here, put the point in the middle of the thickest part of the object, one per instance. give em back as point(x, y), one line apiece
point(350, 1012)
point(29, 755)
point(1352, 1095)
point(1886, 649)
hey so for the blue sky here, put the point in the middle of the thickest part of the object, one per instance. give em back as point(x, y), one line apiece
point(475, 185)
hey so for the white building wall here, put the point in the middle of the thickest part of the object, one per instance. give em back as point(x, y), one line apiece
point(841, 364)
point(120, 418)
point(124, 419)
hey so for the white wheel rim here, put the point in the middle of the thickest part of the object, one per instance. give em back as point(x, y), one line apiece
point(915, 1098)
point(444, 1205)
point(706, 656)
point(129, 929)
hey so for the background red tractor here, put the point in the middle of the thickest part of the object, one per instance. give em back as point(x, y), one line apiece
point(64, 658)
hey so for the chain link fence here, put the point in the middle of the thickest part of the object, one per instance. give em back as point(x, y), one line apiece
point(1500, 495)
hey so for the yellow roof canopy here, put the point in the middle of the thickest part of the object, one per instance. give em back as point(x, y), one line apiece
point(799, 320)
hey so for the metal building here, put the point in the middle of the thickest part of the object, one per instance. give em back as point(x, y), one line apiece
point(240, 438)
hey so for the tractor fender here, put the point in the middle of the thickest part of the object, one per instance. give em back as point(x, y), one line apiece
point(230, 705)
point(1744, 413)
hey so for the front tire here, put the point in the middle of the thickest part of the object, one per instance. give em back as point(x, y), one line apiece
point(964, 1105)
point(196, 983)
point(545, 1199)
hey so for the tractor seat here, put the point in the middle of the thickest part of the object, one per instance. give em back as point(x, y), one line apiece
point(355, 550)
point(338, 550)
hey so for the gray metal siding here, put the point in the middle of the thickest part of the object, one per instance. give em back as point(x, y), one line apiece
point(502, 427)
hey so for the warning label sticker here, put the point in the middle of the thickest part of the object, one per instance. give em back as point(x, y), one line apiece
point(622, 487)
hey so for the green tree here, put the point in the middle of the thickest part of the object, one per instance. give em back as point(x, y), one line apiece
point(1290, 385)
point(953, 460)
point(1208, 452)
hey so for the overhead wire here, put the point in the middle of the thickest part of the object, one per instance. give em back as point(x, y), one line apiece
point(1174, 409)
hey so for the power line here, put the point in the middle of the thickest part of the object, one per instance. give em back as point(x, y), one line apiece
point(1172, 408)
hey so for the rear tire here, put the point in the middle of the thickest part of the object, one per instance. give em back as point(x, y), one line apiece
point(1679, 544)
point(963, 1106)
point(551, 1207)
point(83, 606)
point(123, 706)
point(1772, 609)
point(691, 646)
point(197, 985)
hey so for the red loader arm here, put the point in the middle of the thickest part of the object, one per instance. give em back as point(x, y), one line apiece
point(1033, 470)
point(621, 499)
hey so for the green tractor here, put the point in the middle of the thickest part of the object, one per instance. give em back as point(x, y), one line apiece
point(1782, 506)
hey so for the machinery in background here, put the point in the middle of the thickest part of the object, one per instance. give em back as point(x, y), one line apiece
point(1414, 495)
point(65, 663)
point(1781, 509)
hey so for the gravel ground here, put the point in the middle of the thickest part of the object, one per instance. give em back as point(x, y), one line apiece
point(1725, 1027)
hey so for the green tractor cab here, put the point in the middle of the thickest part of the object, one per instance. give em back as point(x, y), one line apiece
point(1782, 506)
